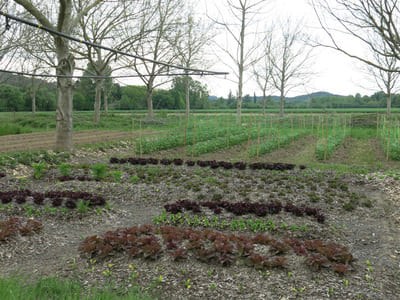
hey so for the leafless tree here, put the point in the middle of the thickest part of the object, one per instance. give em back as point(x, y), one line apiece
point(158, 45)
point(365, 21)
point(386, 80)
point(375, 25)
point(262, 70)
point(9, 33)
point(62, 16)
point(236, 20)
point(290, 57)
point(194, 36)
point(114, 25)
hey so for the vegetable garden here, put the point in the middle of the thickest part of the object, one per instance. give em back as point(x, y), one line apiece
point(203, 209)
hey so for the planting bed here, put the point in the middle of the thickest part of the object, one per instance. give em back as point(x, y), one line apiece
point(181, 230)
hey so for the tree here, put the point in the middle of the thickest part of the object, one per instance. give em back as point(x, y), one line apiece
point(241, 17)
point(372, 23)
point(11, 97)
point(194, 36)
point(158, 44)
point(289, 58)
point(67, 20)
point(198, 93)
point(386, 80)
point(263, 70)
point(133, 97)
point(107, 26)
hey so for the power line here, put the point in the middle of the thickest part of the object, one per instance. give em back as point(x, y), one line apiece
point(94, 76)
point(55, 32)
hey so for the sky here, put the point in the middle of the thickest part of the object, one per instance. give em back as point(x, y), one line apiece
point(332, 71)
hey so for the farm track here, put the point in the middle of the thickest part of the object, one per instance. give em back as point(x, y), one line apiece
point(46, 140)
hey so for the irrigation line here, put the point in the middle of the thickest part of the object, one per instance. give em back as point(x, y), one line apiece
point(92, 76)
point(55, 32)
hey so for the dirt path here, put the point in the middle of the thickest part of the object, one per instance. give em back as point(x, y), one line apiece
point(362, 152)
point(46, 140)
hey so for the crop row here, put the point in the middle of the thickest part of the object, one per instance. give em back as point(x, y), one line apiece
point(57, 198)
point(205, 163)
point(275, 142)
point(209, 246)
point(241, 224)
point(242, 208)
point(16, 225)
point(224, 142)
point(391, 142)
point(170, 141)
point(327, 145)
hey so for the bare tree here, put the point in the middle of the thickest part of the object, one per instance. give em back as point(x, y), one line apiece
point(194, 36)
point(158, 45)
point(290, 60)
point(9, 33)
point(114, 25)
point(375, 25)
point(237, 20)
point(369, 22)
point(262, 70)
point(67, 18)
point(386, 80)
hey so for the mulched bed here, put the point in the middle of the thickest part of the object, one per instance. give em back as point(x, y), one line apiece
point(360, 214)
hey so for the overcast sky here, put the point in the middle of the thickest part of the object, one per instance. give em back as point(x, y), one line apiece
point(334, 72)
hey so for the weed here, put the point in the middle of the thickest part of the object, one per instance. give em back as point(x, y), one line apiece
point(65, 169)
point(116, 175)
point(82, 206)
point(39, 170)
point(213, 286)
point(134, 179)
point(188, 283)
point(31, 211)
point(99, 171)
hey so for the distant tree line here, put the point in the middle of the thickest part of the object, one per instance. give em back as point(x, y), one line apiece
point(376, 100)
point(15, 95)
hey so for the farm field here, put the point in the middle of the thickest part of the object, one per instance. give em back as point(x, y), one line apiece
point(305, 207)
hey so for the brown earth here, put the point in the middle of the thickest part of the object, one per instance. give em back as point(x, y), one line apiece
point(46, 140)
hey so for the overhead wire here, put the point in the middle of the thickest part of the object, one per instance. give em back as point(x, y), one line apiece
point(96, 76)
point(69, 37)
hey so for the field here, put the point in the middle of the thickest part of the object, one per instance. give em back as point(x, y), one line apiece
point(301, 207)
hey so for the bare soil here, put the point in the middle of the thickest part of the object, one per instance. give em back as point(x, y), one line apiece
point(46, 140)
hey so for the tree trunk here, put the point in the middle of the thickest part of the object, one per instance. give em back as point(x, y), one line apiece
point(66, 66)
point(105, 98)
point(97, 100)
point(282, 104)
point(33, 97)
point(187, 97)
point(149, 100)
point(389, 103)
point(241, 68)
point(264, 102)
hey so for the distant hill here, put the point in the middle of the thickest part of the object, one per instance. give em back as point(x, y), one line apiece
point(24, 81)
point(298, 99)
point(303, 98)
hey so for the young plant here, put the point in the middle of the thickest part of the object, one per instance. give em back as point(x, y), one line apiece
point(82, 206)
point(116, 175)
point(38, 170)
point(99, 171)
point(65, 169)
